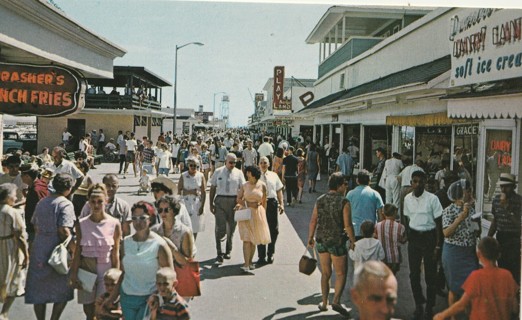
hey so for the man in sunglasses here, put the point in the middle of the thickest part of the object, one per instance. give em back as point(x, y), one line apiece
point(224, 186)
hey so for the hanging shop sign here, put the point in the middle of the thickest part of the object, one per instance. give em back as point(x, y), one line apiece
point(467, 130)
point(280, 102)
point(33, 90)
point(485, 45)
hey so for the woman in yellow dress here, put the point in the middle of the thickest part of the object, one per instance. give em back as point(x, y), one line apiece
point(255, 231)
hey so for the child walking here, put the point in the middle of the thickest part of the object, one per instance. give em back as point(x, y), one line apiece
point(491, 291)
point(367, 248)
point(391, 234)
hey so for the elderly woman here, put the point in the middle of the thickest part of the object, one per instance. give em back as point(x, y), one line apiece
point(53, 221)
point(329, 217)
point(14, 254)
point(143, 254)
point(98, 237)
point(255, 231)
point(162, 186)
point(458, 254)
point(191, 188)
point(172, 229)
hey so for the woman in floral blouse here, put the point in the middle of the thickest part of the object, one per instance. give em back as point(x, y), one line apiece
point(458, 254)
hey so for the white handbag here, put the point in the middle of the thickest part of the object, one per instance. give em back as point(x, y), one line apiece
point(243, 214)
point(59, 257)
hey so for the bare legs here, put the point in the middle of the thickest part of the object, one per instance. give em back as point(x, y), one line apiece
point(340, 267)
point(248, 253)
point(39, 310)
point(8, 302)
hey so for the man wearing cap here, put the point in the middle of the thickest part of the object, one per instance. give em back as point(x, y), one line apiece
point(377, 172)
point(61, 165)
point(224, 186)
point(392, 168)
point(506, 209)
point(13, 176)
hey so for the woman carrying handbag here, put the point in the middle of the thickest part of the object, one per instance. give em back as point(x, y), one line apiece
point(53, 220)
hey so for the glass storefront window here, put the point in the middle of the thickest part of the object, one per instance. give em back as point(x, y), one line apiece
point(406, 144)
point(351, 140)
point(465, 152)
point(432, 146)
point(498, 160)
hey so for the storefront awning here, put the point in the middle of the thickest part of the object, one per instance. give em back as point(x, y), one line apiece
point(421, 120)
point(493, 107)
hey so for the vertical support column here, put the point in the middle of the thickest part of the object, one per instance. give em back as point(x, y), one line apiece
point(330, 134)
point(344, 30)
point(314, 134)
point(341, 139)
point(395, 140)
point(330, 43)
point(322, 134)
point(361, 147)
point(320, 52)
point(336, 35)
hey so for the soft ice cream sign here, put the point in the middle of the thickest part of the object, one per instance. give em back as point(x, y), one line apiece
point(486, 45)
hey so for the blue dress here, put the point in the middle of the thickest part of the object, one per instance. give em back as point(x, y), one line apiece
point(44, 285)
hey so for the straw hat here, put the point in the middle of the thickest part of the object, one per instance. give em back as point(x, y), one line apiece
point(506, 179)
point(166, 182)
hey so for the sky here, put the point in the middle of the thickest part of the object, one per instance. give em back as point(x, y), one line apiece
point(242, 44)
point(243, 41)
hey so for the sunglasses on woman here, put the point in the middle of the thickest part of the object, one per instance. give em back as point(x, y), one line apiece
point(140, 218)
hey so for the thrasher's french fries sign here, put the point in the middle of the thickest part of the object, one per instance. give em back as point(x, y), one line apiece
point(34, 90)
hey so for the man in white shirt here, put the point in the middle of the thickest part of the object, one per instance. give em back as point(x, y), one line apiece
point(392, 168)
point(249, 155)
point(66, 136)
point(274, 207)
point(224, 186)
point(61, 165)
point(131, 154)
point(265, 149)
point(404, 179)
point(423, 218)
point(101, 142)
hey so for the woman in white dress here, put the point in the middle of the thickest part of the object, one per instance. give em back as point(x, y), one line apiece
point(191, 188)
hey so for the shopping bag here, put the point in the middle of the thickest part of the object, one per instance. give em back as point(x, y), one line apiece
point(188, 279)
point(87, 279)
point(318, 178)
point(243, 214)
point(307, 264)
point(59, 257)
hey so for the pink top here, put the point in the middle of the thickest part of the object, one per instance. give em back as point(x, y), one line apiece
point(98, 238)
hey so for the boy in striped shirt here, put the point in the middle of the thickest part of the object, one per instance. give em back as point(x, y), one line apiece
point(391, 233)
point(166, 304)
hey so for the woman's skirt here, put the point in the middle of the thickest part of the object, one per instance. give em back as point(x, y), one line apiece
point(458, 262)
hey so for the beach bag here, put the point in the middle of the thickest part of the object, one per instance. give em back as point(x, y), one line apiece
point(59, 257)
point(188, 279)
point(243, 214)
point(307, 264)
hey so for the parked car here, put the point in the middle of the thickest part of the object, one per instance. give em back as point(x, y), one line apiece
point(25, 141)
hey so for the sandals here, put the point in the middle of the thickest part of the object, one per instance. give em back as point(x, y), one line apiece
point(322, 308)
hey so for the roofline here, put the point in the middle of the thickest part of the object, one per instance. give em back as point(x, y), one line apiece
point(386, 9)
point(141, 68)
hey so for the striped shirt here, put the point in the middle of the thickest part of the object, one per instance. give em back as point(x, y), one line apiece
point(176, 308)
point(389, 232)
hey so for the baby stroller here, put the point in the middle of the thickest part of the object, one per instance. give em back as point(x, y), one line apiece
point(144, 182)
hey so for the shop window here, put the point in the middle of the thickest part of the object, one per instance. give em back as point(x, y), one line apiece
point(351, 138)
point(498, 160)
point(465, 152)
point(137, 121)
point(432, 146)
point(144, 121)
point(375, 137)
point(406, 144)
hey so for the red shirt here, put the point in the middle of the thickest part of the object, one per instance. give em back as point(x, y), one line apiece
point(492, 292)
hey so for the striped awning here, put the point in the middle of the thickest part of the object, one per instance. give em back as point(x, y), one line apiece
point(422, 120)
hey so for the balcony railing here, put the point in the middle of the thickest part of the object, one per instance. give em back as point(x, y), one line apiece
point(112, 101)
point(349, 50)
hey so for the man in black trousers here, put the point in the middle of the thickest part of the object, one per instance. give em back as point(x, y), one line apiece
point(274, 207)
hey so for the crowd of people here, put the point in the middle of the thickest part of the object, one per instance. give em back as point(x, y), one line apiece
point(49, 200)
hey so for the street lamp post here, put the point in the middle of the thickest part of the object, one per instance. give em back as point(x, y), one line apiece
point(214, 110)
point(176, 82)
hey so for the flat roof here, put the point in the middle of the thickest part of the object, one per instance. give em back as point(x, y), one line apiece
point(122, 73)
